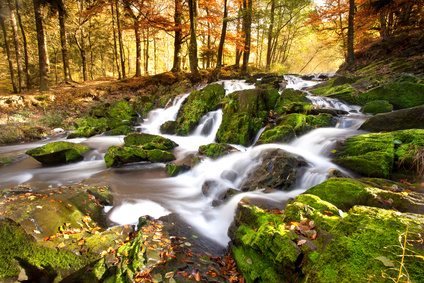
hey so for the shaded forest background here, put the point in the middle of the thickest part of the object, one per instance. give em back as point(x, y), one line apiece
point(46, 42)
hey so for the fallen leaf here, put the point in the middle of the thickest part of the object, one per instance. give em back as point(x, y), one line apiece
point(301, 242)
point(61, 245)
point(387, 262)
point(169, 274)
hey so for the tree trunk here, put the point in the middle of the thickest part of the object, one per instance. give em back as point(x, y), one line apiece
point(24, 39)
point(350, 34)
point(192, 4)
point(42, 53)
point(247, 23)
point(222, 40)
point(146, 53)
point(238, 44)
point(121, 45)
point(138, 51)
point(115, 46)
point(65, 59)
point(17, 46)
point(9, 59)
point(178, 15)
point(270, 36)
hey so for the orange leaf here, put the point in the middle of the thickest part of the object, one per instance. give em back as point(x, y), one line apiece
point(197, 276)
point(52, 200)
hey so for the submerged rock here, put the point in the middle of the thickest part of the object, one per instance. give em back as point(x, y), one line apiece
point(277, 170)
point(58, 152)
point(397, 120)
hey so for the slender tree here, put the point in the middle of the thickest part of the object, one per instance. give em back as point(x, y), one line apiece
point(42, 53)
point(222, 40)
point(25, 43)
point(178, 37)
point(120, 42)
point(247, 24)
point(17, 45)
point(270, 36)
point(195, 74)
point(350, 34)
point(9, 58)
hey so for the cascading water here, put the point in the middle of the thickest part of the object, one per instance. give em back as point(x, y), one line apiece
point(143, 188)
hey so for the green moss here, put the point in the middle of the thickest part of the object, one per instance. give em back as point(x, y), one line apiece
point(148, 141)
point(121, 130)
point(377, 106)
point(277, 134)
point(215, 150)
point(321, 120)
point(399, 94)
point(296, 121)
point(58, 152)
point(196, 106)
point(287, 97)
point(371, 155)
point(19, 249)
point(157, 155)
point(343, 92)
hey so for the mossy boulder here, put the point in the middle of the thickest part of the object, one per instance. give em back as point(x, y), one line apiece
point(244, 113)
point(324, 244)
point(411, 118)
point(379, 155)
point(344, 92)
point(117, 155)
point(215, 150)
point(401, 94)
point(148, 141)
point(290, 100)
point(377, 106)
point(175, 169)
point(278, 134)
point(58, 152)
point(277, 170)
point(264, 249)
point(198, 104)
point(371, 155)
point(73, 236)
point(121, 130)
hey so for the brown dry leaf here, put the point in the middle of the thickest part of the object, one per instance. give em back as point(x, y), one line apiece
point(80, 243)
point(169, 274)
point(61, 245)
point(301, 242)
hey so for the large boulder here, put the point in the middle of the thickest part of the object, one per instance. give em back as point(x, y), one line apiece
point(290, 99)
point(383, 154)
point(148, 141)
point(47, 235)
point(117, 155)
point(313, 238)
point(377, 106)
point(409, 118)
point(58, 152)
point(277, 170)
point(244, 113)
point(371, 155)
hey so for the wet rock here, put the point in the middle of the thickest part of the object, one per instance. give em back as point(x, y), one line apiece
point(277, 170)
point(58, 152)
point(173, 169)
point(287, 97)
point(215, 150)
point(397, 120)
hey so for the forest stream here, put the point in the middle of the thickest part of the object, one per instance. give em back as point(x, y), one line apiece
point(145, 189)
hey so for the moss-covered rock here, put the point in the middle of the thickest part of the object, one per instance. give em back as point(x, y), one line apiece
point(371, 155)
point(377, 106)
point(411, 118)
point(196, 106)
point(121, 130)
point(244, 113)
point(58, 152)
point(278, 134)
point(175, 169)
point(344, 92)
point(322, 244)
point(148, 141)
point(379, 155)
point(117, 155)
point(215, 150)
point(289, 96)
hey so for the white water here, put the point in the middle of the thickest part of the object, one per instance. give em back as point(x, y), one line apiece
point(143, 188)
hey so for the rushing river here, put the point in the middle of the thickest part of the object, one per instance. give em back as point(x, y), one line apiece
point(144, 189)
